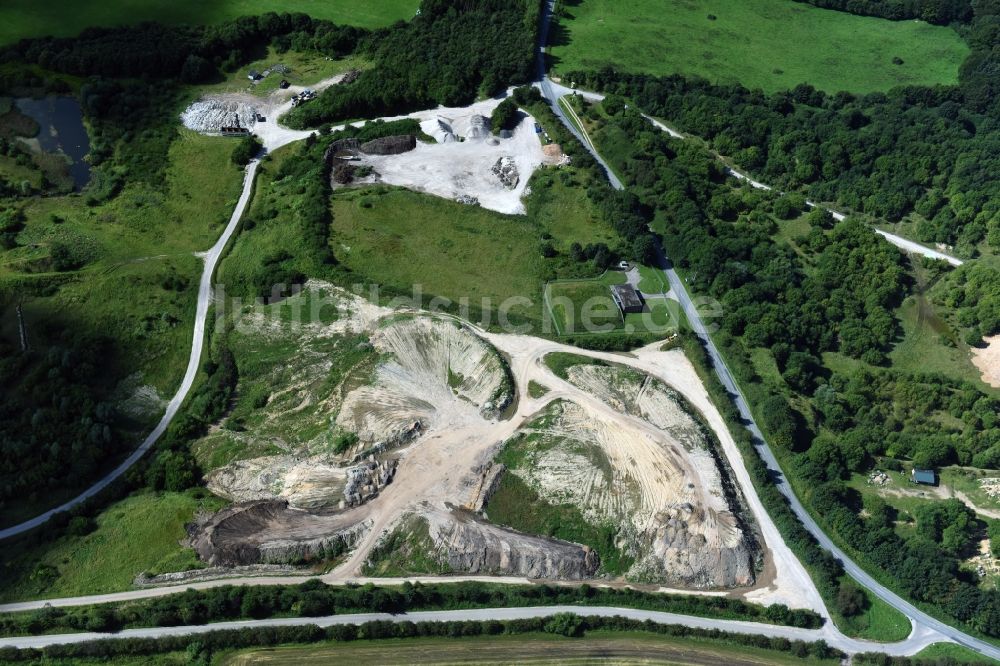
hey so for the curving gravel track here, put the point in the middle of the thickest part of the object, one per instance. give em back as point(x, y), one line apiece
point(211, 258)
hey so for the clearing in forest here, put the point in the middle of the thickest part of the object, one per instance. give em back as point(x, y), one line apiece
point(25, 18)
point(769, 44)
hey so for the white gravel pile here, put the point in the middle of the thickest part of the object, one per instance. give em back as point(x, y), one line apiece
point(211, 115)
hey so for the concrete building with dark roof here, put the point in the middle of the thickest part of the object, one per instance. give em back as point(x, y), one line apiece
point(627, 298)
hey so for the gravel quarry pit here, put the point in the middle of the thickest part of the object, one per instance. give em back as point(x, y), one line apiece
point(678, 502)
point(659, 482)
point(460, 165)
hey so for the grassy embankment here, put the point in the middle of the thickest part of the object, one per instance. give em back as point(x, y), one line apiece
point(24, 18)
point(769, 44)
point(139, 533)
point(597, 645)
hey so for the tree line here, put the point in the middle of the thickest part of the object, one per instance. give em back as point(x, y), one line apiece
point(449, 53)
point(833, 290)
point(200, 649)
point(941, 12)
point(314, 599)
point(932, 151)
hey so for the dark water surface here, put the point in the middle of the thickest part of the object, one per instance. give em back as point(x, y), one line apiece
point(61, 130)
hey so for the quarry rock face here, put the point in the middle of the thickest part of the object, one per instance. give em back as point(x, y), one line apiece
point(476, 547)
point(505, 169)
point(436, 373)
point(479, 127)
point(657, 476)
point(270, 533)
point(684, 552)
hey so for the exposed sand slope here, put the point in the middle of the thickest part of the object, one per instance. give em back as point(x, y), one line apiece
point(310, 483)
point(439, 376)
point(665, 493)
point(987, 359)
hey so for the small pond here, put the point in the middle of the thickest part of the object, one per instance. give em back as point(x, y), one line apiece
point(60, 120)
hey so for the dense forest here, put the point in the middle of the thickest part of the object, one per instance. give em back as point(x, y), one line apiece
point(941, 12)
point(447, 55)
point(834, 291)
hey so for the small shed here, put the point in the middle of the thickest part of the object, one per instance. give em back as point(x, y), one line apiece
point(925, 477)
point(627, 298)
point(254, 75)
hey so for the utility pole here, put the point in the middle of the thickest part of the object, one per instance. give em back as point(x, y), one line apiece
point(21, 329)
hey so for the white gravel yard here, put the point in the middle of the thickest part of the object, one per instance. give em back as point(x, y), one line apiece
point(454, 167)
point(458, 166)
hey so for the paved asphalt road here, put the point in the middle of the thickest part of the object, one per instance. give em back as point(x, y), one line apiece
point(831, 636)
point(552, 92)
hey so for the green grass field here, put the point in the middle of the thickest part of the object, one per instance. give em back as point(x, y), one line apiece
point(769, 44)
point(404, 241)
point(959, 654)
point(595, 647)
point(585, 306)
point(139, 533)
point(24, 18)
point(398, 239)
point(880, 622)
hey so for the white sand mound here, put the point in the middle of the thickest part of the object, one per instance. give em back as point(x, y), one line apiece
point(437, 374)
point(211, 115)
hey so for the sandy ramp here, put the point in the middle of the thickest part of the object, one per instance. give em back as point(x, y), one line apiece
point(987, 359)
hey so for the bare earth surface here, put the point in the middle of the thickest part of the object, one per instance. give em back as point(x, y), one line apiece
point(440, 404)
point(987, 359)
